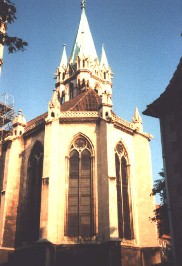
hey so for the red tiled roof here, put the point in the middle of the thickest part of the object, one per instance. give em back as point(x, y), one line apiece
point(36, 121)
point(86, 101)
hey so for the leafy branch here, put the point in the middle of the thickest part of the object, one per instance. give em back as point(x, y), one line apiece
point(161, 212)
point(8, 16)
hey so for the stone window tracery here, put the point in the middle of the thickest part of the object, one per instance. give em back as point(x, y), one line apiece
point(125, 225)
point(34, 185)
point(80, 207)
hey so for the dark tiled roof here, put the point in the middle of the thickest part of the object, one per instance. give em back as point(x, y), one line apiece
point(170, 98)
point(86, 101)
point(36, 121)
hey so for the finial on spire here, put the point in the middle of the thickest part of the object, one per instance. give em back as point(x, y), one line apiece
point(83, 4)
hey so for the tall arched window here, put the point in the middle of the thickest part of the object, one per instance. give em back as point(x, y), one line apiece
point(34, 185)
point(123, 196)
point(80, 207)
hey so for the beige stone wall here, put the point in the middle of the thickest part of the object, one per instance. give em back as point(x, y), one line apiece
point(103, 184)
point(146, 233)
point(58, 138)
point(10, 195)
point(103, 137)
point(14, 188)
point(138, 150)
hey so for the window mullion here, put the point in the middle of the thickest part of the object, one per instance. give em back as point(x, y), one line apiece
point(79, 194)
point(121, 182)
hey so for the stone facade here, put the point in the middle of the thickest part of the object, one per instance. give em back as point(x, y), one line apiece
point(168, 109)
point(76, 181)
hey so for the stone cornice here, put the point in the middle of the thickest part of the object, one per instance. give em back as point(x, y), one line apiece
point(78, 120)
point(73, 77)
point(78, 114)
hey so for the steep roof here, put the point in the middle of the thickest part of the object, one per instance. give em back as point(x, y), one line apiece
point(86, 101)
point(84, 43)
point(170, 98)
point(37, 121)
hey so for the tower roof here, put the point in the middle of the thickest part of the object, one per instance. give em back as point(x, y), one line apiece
point(84, 43)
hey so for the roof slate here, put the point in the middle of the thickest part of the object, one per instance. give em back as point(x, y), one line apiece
point(86, 101)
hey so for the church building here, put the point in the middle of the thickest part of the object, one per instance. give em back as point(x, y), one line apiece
point(75, 182)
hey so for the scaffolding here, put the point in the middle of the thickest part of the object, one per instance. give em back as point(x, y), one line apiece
point(6, 114)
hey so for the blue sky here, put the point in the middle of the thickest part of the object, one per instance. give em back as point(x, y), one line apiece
point(142, 40)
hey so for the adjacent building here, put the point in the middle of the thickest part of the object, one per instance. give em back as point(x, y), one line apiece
point(76, 181)
point(168, 108)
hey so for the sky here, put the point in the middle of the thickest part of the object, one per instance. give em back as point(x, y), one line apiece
point(142, 40)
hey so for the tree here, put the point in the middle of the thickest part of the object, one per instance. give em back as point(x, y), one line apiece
point(8, 16)
point(161, 213)
point(161, 218)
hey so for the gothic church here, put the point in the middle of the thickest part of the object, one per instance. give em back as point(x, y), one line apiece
point(75, 181)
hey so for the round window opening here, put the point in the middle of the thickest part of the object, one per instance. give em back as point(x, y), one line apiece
point(119, 148)
point(80, 143)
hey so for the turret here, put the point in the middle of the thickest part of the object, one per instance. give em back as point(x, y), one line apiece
point(19, 124)
point(137, 120)
point(54, 105)
point(106, 73)
point(60, 74)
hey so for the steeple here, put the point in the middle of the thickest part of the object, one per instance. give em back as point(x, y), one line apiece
point(84, 43)
point(83, 70)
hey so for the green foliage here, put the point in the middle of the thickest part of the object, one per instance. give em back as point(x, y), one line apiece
point(7, 11)
point(161, 213)
point(8, 16)
point(160, 188)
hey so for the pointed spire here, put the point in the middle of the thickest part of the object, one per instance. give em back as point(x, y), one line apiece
point(64, 59)
point(136, 117)
point(103, 60)
point(83, 40)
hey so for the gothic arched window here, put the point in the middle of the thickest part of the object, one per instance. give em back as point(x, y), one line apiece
point(80, 207)
point(34, 185)
point(71, 90)
point(123, 196)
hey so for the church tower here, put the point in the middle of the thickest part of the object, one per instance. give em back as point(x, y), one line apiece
point(83, 70)
point(76, 180)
